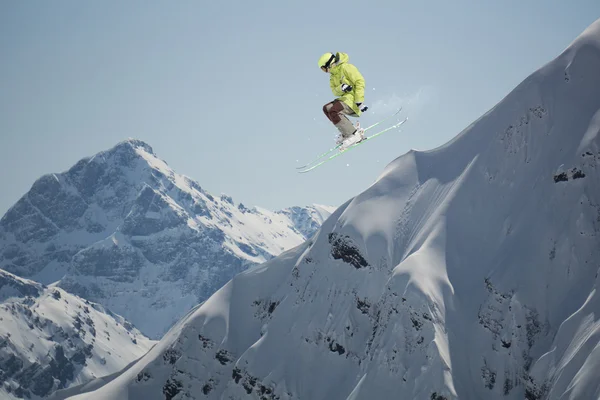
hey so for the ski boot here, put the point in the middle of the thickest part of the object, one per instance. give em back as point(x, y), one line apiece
point(356, 137)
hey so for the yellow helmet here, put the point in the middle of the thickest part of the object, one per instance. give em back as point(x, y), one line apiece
point(326, 59)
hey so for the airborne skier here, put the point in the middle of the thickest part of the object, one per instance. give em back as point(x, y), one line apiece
point(348, 85)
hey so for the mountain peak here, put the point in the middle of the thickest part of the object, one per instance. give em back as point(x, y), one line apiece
point(50, 339)
point(128, 153)
point(133, 144)
point(124, 214)
point(589, 36)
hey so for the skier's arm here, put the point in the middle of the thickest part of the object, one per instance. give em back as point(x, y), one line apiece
point(357, 81)
point(335, 88)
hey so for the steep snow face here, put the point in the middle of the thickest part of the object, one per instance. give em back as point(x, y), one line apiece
point(50, 339)
point(123, 229)
point(465, 272)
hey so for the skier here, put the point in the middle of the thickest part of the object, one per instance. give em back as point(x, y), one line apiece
point(348, 85)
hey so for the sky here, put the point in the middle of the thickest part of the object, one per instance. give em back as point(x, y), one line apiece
point(229, 93)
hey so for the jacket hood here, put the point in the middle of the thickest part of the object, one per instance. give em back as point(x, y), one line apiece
point(342, 57)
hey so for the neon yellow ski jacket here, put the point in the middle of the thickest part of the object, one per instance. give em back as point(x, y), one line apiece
point(343, 72)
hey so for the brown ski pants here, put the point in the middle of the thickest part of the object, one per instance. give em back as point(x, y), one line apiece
point(336, 111)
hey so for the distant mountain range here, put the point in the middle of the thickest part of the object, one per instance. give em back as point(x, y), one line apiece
point(123, 229)
point(50, 339)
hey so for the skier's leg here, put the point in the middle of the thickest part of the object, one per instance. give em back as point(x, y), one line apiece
point(336, 111)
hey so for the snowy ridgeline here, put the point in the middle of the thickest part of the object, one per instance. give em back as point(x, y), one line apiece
point(50, 339)
point(465, 272)
point(124, 230)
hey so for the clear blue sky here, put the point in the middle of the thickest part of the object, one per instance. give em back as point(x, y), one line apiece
point(229, 93)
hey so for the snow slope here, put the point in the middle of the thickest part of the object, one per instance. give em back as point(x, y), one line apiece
point(123, 229)
point(466, 272)
point(50, 339)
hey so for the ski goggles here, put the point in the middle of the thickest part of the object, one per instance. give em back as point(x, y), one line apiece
point(326, 66)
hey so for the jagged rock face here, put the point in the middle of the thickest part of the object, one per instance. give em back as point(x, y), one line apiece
point(465, 272)
point(307, 220)
point(123, 229)
point(50, 339)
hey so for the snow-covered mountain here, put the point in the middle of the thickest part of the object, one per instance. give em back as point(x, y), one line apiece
point(50, 339)
point(466, 272)
point(123, 229)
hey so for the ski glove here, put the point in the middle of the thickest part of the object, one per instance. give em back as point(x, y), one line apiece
point(362, 107)
point(346, 88)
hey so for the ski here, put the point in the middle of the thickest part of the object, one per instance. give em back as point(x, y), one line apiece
point(353, 146)
point(339, 145)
